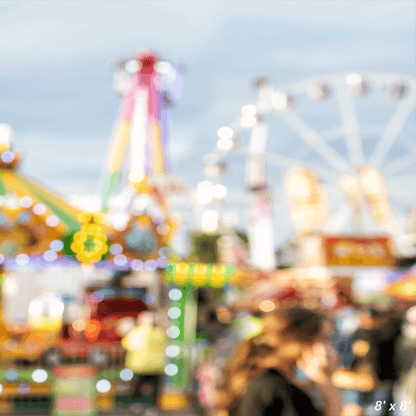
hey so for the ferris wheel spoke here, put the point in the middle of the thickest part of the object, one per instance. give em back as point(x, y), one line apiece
point(350, 126)
point(315, 140)
point(400, 164)
point(392, 131)
point(288, 162)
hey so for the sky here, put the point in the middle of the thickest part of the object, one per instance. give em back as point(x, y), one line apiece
point(56, 75)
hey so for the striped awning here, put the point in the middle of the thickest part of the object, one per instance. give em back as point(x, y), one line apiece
point(14, 186)
point(32, 217)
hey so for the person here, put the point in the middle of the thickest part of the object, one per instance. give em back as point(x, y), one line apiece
point(145, 345)
point(376, 341)
point(259, 380)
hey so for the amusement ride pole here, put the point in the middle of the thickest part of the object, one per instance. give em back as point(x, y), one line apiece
point(261, 225)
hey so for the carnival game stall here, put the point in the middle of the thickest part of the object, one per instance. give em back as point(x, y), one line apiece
point(356, 263)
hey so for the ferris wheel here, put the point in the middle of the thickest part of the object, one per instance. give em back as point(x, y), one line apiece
point(350, 138)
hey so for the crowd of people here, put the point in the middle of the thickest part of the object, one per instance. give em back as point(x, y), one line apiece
point(351, 360)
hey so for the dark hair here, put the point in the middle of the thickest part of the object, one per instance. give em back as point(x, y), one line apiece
point(118, 276)
point(255, 355)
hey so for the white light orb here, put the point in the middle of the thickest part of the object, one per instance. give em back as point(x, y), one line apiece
point(56, 308)
point(219, 191)
point(120, 260)
point(173, 332)
point(136, 177)
point(175, 294)
point(116, 249)
point(119, 220)
point(12, 201)
point(5, 133)
point(1, 387)
point(26, 201)
point(150, 265)
point(137, 265)
point(2, 200)
point(163, 67)
point(56, 245)
point(22, 259)
point(50, 255)
point(10, 286)
point(204, 197)
point(204, 192)
point(171, 369)
point(103, 386)
point(174, 312)
point(248, 121)
point(225, 144)
point(280, 101)
point(172, 351)
point(7, 156)
point(210, 220)
point(126, 374)
point(204, 185)
point(132, 66)
point(162, 262)
point(40, 209)
point(39, 375)
point(52, 221)
point(353, 79)
point(249, 110)
point(225, 133)
point(35, 308)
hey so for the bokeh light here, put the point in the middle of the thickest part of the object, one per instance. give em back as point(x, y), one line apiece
point(39, 375)
point(172, 351)
point(174, 312)
point(171, 369)
point(175, 294)
point(56, 245)
point(103, 386)
point(137, 265)
point(126, 374)
point(173, 332)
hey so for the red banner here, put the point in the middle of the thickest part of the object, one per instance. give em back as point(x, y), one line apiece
point(357, 251)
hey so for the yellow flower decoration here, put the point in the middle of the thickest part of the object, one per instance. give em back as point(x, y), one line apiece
point(144, 186)
point(91, 217)
point(89, 244)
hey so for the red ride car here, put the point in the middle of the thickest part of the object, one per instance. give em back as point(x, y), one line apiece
point(111, 312)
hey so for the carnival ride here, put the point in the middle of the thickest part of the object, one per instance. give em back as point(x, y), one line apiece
point(344, 158)
point(33, 219)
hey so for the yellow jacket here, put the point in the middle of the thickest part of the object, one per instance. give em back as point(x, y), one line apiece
point(145, 350)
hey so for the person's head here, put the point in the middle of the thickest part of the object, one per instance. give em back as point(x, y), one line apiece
point(360, 348)
point(286, 333)
point(146, 318)
point(370, 318)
